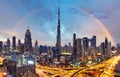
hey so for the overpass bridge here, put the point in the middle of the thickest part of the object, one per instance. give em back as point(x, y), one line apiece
point(103, 69)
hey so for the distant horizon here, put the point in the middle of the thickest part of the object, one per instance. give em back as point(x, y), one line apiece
point(33, 41)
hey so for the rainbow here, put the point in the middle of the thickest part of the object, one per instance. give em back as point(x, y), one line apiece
point(107, 32)
point(26, 16)
point(104, 28)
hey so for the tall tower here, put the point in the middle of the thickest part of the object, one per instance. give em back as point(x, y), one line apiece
point(14, 43)
point(28, 41)
point(93, 42)
point(58, 42)
point(106, 42)
point(36, 46)
point(8, 45)
point(78, 49)
point(106, 49)
point(74, 53)
point(1, 46)
point(19, 42)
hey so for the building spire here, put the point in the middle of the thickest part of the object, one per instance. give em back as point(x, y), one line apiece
point(58, 43)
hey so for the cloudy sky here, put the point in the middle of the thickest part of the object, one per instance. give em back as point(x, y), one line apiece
point(77, 16)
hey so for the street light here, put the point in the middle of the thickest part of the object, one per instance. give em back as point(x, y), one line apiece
point(4, 73)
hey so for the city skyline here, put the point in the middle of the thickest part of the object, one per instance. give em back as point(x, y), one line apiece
point(41, 18)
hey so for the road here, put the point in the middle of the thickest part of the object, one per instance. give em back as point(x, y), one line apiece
point(103, 69)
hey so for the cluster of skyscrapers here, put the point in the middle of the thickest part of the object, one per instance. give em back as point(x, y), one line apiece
point(18, 46)
point(83, 49)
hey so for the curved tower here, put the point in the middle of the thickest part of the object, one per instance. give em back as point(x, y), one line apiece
point(28, 41)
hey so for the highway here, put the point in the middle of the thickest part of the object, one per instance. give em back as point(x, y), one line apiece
point(109, 70)
point(103, 69)
point(49, 71)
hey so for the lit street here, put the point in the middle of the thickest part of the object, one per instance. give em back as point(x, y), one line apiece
point(103, 69)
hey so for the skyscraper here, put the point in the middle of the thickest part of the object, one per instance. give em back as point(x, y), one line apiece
point(28, 41)
point(106, 47)
point(118, 48)
point(14, 43)
point(1, 46)
point(106, 43)
point(19, 42)
point(93, 42)
point(109, 50)
point(58, 42)
point(5, 47)
point(36, 46)
point(8, 44)
point(103, 50)
point(70, 47)
point(85, 46)
point(74, 52)
point(79, 49)
point(66, 48)
point(85, 42)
